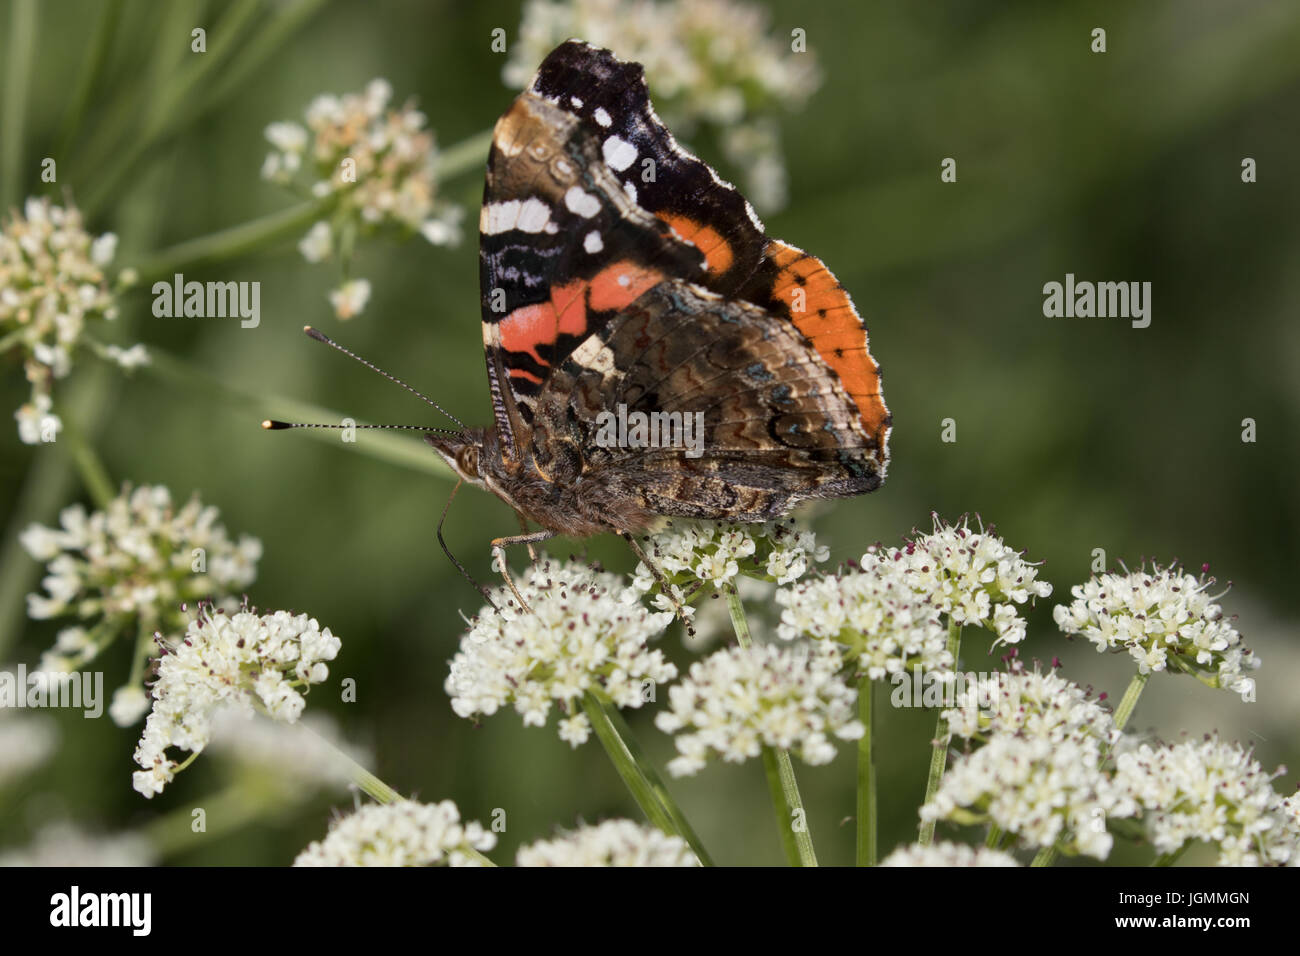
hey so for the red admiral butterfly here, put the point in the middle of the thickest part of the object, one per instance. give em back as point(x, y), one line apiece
point(618, 272)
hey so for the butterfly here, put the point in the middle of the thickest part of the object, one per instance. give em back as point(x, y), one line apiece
point(651, 351)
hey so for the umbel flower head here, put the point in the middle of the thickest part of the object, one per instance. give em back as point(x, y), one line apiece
point(130, 568)
point(711, 65)
point(972, 575)
point(402, 833)
point(53, 286)
point(738, 700)
point(244, 660)
point(612, 843)
point(948, 854)
point(699, 557)
point(886, 627)
point(379, 160)
point(1045, 792)
point(1030, 703)
point(583, 634)
point(1166, 621)
point(1214, 791)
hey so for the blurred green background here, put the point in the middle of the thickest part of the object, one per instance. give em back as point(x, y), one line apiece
point(1072, 434)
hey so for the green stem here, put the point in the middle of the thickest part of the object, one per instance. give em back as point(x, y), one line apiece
point(1130, 699)
point(240, 240)
point(994, 838)
point(786, 799)
point(92, 73)
point(1045, 857)
point(363, 778)
point(939, 752)
point(22, 48)
point(1169, 859)
point(390, 448)
point(224, 812)
point(639, 775)
point(93, 473)
point(866, 778)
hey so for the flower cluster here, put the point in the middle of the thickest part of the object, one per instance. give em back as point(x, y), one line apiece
point(228, 660)
point(1214, 791)
point(948, 854)
point(698, 558)
point(402, 833)
point(1166, 621)
point(380, 161)
point(134, 563)
point(581, 635)
point(1032, 704)
point(1045, 792)
point(738, 700)
point(711, 65)
point(887, 627)
point(612, 843)
point(972, 575)
point(52, 285)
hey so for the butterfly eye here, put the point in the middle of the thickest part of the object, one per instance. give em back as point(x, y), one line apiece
point(467, 461)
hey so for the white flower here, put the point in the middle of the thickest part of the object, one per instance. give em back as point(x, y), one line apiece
point(1047, 792)
point(580, 636)
point(1214, 791)
point(380, 160)
point(318, 243)
point(886, 626)
point(239, 660)
point(132, 358)
point(36, 422)
point(1166, 621)
point(350, 298)
point(972, 575)
point(131, 567)
point(948, 854)
point(698, 558)
point(402, 833)
point(738, 700)
point(130, 703)
point(709, 63)
point(1031, 704)
point(52, 287)
point(612, 843)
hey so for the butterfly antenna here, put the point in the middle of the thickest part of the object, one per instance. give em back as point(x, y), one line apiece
point(487, 596)
point(273, 425)
point(322, 337)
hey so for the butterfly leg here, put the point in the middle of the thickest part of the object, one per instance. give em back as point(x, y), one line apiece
point(523, 526)
point(499, 546)
point(664, 585)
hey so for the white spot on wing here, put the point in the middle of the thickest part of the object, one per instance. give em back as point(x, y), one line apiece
point(533, 216)
point(582, 202)
point(577, 103)
point(602, 117)
point(593, 243)
point(619, 153)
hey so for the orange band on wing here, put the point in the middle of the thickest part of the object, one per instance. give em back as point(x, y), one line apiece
point(529, 326)
point(718, 256)
point(619, 285)
point(822, 310)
